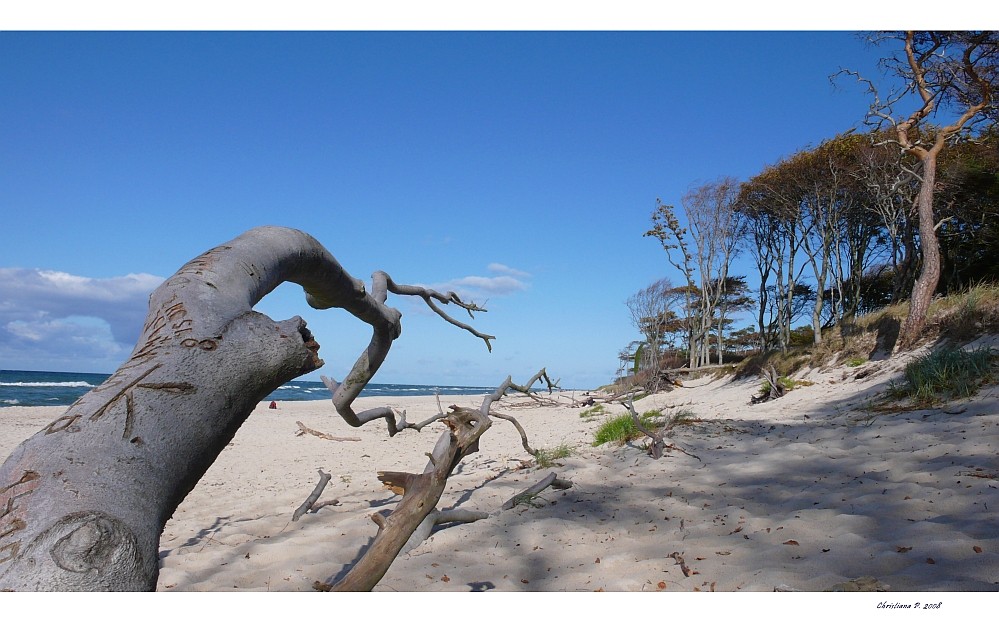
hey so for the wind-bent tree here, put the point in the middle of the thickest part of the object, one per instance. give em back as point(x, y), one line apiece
point(83, 502)
point(944, 71)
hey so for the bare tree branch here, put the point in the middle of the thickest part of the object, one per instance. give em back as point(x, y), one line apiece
point(421, 492)
point(658, 444)
point(324, 479)
point(385, 322)
point(429, 296)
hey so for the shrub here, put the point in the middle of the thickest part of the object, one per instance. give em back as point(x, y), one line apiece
point(945, 373)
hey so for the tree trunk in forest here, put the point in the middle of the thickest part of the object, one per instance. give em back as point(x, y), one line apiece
point(83, 502)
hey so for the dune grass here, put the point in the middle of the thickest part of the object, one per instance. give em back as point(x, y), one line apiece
point(547, 457)
point(946, 373)
point(593, 411)
point(959, 317)
point(621, 429)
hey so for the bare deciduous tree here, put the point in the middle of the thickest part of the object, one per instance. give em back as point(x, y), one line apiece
point(653, 312)
point(716, 230)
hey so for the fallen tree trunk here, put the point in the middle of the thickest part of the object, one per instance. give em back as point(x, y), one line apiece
point(83, 501)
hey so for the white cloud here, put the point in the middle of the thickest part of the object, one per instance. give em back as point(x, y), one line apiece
point(497, 285)
point(505, 269)
point(509, 281)
point(73, 316)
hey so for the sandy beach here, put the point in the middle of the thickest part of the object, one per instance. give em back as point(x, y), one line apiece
point(809, 493)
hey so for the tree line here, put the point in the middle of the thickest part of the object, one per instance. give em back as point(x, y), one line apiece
point(904, 209)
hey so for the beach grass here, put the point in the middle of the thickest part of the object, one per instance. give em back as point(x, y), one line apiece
point(621, 429)
point(946, 373)
point(548, 457)
point(593, 411)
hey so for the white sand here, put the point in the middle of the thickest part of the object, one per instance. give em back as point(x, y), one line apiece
point(801, 493)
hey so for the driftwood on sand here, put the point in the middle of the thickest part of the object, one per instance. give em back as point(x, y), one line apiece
point(304, 429)
point(83, 502)
point(552, 479)
point(310, 501)
point(416, 514)
point(773, 386)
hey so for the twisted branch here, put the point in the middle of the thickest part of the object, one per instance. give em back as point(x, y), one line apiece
point(386, 325)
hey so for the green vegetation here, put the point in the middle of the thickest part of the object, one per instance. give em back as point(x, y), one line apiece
point(681, 417)
point(621, 429)
point(789, 384)
point(947, 373)
point(593, 411)
point(959, 317)
point(545, 457)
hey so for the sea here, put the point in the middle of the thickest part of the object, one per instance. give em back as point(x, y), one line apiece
point(53, 388)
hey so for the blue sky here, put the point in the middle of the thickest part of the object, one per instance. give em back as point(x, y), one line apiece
point(520, 168)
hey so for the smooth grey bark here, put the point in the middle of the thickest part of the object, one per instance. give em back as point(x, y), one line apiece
point(83, 502)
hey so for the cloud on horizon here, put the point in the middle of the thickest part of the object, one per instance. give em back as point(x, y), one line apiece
point(48, 316)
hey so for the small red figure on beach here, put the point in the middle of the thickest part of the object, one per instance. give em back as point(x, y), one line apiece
point(273, 405)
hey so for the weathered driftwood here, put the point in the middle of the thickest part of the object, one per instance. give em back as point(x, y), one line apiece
point(657, 443)
point(420, 495)
point(386, 328)
point(552, 479)
point(310, 501)
point(421, 492)
point(83, 501)
point(304, 429)
point(772, 378)
point(440, 517)
point(657, 440)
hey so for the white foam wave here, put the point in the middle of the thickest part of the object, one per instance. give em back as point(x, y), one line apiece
point(78, 383)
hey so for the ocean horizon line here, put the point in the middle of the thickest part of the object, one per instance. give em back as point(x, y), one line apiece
point(58, 388)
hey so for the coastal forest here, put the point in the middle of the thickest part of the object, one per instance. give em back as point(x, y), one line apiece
point(895, 212)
